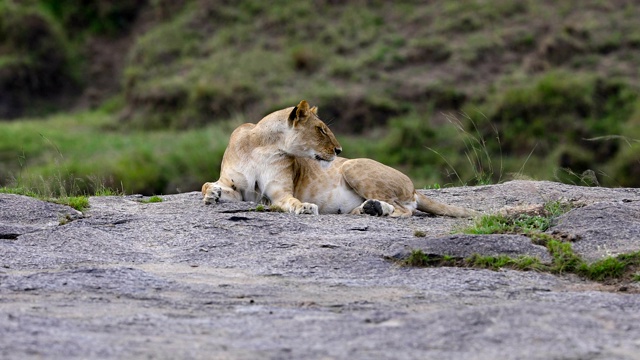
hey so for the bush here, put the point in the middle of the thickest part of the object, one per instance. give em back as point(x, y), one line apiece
point(98, 16)
point(571, 109)
point(35, 61)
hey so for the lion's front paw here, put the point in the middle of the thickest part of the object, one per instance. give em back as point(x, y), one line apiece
point(305, 208)
point(212, 193)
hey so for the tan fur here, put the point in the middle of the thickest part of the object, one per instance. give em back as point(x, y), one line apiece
point(289, 159)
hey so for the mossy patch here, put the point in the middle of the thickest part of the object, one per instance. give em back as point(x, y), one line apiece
point(152, 199)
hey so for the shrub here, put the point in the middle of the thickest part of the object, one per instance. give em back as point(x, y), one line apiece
point(35, 61)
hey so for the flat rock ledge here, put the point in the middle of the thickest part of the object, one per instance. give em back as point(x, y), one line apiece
point(179, 279)
point(464, 246)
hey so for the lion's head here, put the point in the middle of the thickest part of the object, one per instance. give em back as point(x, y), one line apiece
point(309, 136)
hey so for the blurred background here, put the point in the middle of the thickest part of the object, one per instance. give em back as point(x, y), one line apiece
point(142, 95)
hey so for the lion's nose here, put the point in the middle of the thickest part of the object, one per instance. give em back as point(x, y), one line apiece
point(338, 151)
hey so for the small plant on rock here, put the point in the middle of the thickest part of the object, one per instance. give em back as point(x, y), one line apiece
point(153, 199)
point(419, 233)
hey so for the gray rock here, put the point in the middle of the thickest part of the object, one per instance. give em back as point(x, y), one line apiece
point(20, 215)
point(463, 246)
point(602, 229)
point(179, 279)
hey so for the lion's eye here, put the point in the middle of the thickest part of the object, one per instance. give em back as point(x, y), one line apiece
point(321, 129)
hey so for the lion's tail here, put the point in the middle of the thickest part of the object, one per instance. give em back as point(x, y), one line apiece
point(437, 208)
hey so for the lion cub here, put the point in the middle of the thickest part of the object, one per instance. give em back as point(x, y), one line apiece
point(289, 159)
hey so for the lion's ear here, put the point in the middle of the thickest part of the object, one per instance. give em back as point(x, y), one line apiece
point(303, 110)
point(292, 116)
point(299, 113)
point(314, 110)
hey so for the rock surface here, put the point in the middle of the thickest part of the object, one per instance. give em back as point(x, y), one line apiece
point(179, 279)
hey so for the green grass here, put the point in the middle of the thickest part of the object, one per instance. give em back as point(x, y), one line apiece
point(17, 191)
point(533, 226)
point(524, 263)
point(605, 269)
point(612, 267)
point(82, 154)
point(264, 208)
point(499, 224)
point(565, 261)
point(152, 199)
point(420, 259)
point(79, 203)
point(530, 225)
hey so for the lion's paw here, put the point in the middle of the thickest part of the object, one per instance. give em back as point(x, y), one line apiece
point(377, 208)
point(212, 194)
point(305, 208)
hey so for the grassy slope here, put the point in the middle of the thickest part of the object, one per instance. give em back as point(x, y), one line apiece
point(540, 76)
point(535, 77)
point(80, 153)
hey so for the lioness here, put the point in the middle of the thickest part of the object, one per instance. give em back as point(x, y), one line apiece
point(289, 158)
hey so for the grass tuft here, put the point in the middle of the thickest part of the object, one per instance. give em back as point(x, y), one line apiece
point(527, 224)
point(612, 267)
point(79, 203)
point(419, 259)
point(605, 269)
point(17, 191)
point(523, 262)
point(152, 199)
point(564, 259)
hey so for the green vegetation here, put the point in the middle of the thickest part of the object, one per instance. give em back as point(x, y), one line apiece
point(564, 259)
point(36, 60)
point(450, 93)
point(80, 203)
point(623, 266)
point(525, 263)
point(152, 199)
point(522, 262)
point(528, 224)
point(419, 258)
point(84, 155)
point(263, 208)
point(80, 18)
point(17, 191)
point(77, 202)
point(65, 220)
